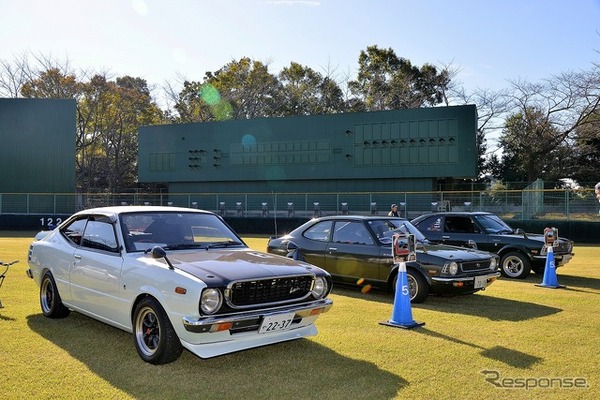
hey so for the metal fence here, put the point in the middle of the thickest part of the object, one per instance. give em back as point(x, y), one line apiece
point(555, 204)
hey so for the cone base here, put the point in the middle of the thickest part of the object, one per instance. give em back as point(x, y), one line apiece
point(551, 286)
point(410, 325)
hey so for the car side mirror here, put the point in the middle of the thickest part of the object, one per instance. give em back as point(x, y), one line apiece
point(291, 246)
point(472, 244)
point(158, 252)
point(520, 231)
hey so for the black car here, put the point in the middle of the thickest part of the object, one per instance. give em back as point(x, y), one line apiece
point(353, 247)
point(519, 252)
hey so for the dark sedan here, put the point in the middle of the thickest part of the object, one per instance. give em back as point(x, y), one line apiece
point(359, 247)
point(519, 252)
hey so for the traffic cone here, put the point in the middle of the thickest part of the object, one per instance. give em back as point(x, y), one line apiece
point(550, 280)
point(401, 313)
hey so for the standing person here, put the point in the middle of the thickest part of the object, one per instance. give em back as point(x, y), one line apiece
point(597, 191)
point(394, 211)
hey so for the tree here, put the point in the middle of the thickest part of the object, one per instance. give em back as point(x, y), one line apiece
point(492, 106)
point(109, 114)
point(52, 84)
point(307, 92)
point(587, 150)
point(190, 105)
point(385, 81)
point(545, 119)
point(243, 89)
point(109, 117)
point(532, 147)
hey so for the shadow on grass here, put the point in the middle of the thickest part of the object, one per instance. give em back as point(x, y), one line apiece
point(578, 281)
point(505, 355)
point(4, 318)
point(299, 369)
point(573, 283)
point(493, 308)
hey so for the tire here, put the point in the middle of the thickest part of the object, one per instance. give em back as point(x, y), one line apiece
point(50, 302)
point(417, 286)
point(515, 265)
point(155, 339)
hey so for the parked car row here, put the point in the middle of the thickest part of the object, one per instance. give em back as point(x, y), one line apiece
point(520, 252)
point(182, 278)
point(356, 247)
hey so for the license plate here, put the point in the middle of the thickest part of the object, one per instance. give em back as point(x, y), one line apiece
point(480, 282)
point(276, 323)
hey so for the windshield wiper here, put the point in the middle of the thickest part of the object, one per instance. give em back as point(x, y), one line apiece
point(179, 246)
point(222, 244)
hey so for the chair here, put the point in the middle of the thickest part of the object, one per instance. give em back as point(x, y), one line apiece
point(345, 210)
point(316, 209)
point(373, 208)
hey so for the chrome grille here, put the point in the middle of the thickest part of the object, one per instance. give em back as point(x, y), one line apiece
point(266, 291)
point(475, 265)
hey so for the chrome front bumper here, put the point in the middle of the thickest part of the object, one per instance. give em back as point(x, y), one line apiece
point(493, 275)
point(247, 321)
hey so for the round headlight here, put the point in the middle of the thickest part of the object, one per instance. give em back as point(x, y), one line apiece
point(320, 287)
point(453, 268)
point(493, 264)
point(210, 301)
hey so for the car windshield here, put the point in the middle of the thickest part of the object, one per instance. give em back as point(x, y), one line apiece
point(385, 228)
point(175, 230)
point(493, 224)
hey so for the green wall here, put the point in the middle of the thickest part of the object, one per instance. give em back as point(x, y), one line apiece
point(385, 150)
point(37, 154)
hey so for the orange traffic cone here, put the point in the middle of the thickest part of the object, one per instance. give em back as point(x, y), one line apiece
point(550, 280)
point(402, 313)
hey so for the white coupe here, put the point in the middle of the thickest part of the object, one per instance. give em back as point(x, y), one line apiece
point(176, 278)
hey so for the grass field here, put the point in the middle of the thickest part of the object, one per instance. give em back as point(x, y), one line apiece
point(522, 335)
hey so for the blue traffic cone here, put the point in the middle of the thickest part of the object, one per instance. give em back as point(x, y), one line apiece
point(401, 313)
point(550, 280)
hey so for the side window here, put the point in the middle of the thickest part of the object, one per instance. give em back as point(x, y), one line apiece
point(100, 234)
point(319, 231)
point(459, 224)
point(354, 232)
point(431, 224)
point(74, 231)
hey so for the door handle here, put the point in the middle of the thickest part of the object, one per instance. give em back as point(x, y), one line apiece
point(445, 237)
point(333, 248)
point(77, 257)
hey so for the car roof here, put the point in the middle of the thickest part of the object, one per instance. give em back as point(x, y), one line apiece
point(456, 213)
point(357, 217)
point(116, 210)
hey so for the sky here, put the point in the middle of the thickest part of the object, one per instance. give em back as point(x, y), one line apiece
point(490, 42)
